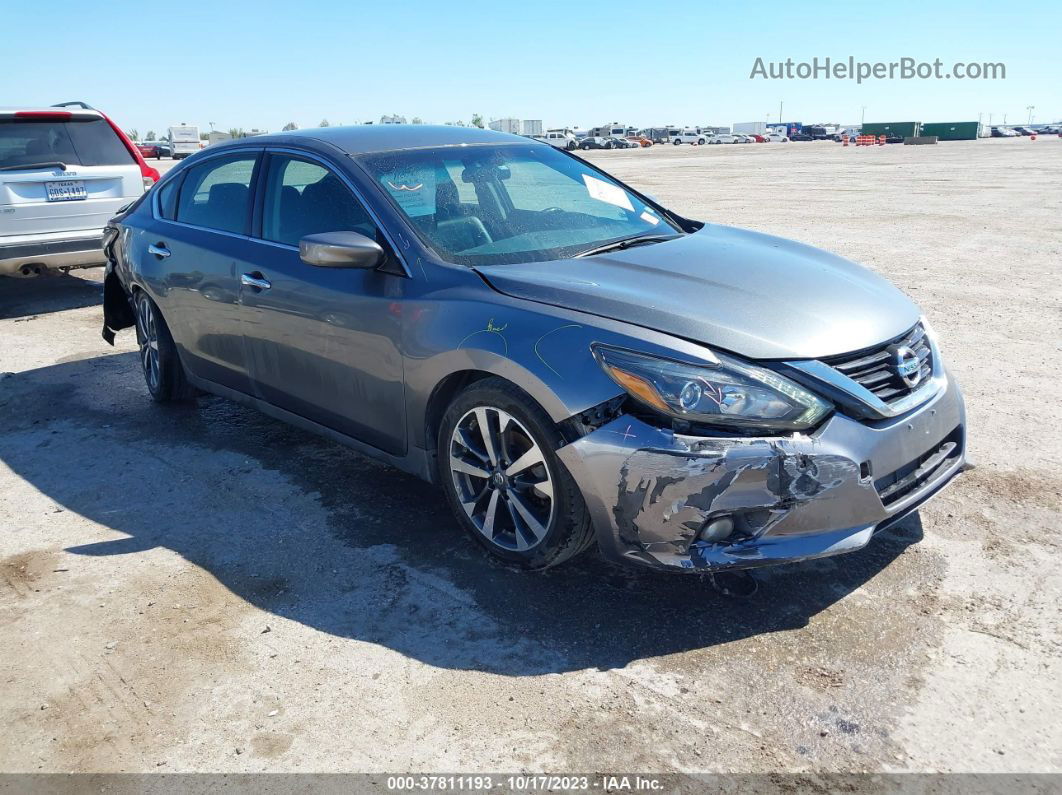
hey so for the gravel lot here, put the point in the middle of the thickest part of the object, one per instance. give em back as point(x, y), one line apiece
point(207, 590)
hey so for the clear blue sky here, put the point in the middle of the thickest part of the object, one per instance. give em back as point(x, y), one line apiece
point(257, 63)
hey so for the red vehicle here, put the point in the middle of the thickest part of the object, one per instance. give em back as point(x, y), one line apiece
point(759, 139)
point(149, 149)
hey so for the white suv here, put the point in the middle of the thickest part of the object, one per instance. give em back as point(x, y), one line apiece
point(64, 171)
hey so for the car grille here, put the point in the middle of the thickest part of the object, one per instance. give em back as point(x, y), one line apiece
point(911, 477)
point(874, 368)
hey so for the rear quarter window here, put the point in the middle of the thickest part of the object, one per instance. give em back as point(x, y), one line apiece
point(168, 199)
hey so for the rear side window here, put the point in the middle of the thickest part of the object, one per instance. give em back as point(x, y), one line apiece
point(168, 199)
point(25, 142)
point(216, 194)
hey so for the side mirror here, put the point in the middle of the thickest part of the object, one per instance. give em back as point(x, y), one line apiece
point(340, 250)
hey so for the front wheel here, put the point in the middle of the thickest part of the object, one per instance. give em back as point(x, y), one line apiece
point(503, 480)
point(162, 368)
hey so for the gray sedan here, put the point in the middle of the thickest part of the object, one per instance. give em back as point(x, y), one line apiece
point(574, 364)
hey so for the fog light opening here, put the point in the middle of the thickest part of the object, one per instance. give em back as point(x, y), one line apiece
point(716, 529)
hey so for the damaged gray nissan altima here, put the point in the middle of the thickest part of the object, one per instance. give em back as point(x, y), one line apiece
point(569, 360)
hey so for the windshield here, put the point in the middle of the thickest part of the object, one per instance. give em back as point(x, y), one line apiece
point(492, 205)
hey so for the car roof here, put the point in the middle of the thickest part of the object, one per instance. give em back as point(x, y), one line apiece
point(365, 138)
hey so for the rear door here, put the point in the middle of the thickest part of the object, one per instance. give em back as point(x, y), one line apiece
point(62, 171)
point(191, 255)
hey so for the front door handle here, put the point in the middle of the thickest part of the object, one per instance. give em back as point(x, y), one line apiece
point(255, 280)
point(159, 250)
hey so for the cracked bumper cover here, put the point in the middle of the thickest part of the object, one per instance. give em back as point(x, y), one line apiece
point(651, 490)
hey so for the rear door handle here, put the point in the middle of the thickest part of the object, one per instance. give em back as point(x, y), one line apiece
point(255, 280)
point(159, 250)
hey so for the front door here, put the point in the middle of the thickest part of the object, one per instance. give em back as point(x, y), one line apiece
point(322, 342)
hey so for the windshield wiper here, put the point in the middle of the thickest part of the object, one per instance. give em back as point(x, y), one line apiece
point(28, 166)
point(625, 242)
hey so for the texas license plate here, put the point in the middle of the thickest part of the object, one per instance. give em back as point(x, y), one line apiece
point(65, 191)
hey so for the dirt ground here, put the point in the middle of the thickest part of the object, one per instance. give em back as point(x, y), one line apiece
point(204, 589)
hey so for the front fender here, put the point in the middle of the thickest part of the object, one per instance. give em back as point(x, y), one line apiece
point(543, 349)
point(548, 357)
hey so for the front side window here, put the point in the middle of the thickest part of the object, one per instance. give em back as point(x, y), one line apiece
point(487, 205)
point(216, 194)
point(303, 198)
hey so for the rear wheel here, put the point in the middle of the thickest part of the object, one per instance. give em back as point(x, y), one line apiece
point(162, 368)
point(504, 483)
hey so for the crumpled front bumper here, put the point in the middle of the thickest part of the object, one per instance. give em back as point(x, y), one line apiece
point(651, 491)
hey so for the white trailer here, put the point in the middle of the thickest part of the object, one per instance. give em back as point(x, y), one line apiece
point(531, 126)
point(750, 127)
point(185, 140)
point(508, 125)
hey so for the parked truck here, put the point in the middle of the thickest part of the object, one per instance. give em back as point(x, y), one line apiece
point(561, 138)
point(185, 140)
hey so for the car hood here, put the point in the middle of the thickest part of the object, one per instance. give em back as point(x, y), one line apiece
point(760, 296)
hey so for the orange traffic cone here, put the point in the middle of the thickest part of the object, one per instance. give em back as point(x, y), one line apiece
point(881, 140)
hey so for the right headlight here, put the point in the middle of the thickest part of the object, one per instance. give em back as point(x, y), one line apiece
point(732, 394)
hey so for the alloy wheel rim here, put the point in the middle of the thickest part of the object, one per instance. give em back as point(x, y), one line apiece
point(501, 478)
point(148, 338)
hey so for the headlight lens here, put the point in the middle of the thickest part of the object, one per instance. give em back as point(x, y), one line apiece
point(733, 393)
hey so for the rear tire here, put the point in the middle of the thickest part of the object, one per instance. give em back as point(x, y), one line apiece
point(503, 480)
point(163, 372)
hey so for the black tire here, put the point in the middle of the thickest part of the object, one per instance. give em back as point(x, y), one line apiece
point(569, 532)
point(165, 377)
point(701, 141)
point(585, 147)
point(676, 141)
point(571, 146)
